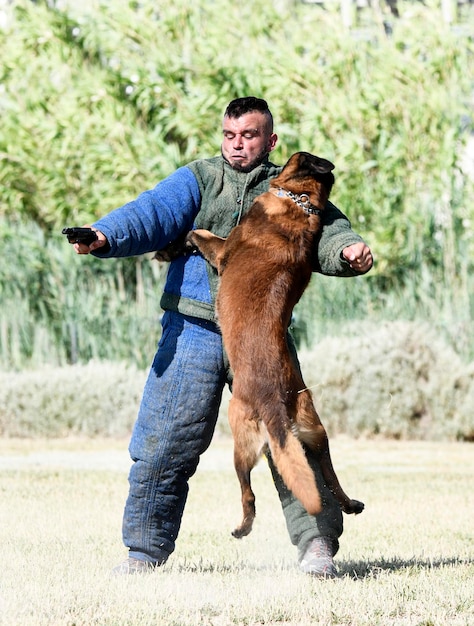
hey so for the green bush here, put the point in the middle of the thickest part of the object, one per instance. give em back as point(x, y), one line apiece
point(397, 380)
point(93, 399)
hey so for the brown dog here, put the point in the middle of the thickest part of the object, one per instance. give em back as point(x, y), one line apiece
point(264, 266)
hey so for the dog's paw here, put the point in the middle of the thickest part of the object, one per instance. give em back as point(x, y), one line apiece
point(163, 256)
point(354, 507)
point(180, 246)
point(244, 529)
point(188, 242)
point(238, 533)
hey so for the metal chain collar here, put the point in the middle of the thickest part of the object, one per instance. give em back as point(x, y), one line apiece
point(302, 200)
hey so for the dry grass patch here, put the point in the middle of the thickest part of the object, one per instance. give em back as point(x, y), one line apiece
point(407, 560)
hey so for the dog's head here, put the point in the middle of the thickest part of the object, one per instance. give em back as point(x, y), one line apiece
point(307, 174)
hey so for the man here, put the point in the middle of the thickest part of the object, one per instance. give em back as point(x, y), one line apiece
point(180, 403)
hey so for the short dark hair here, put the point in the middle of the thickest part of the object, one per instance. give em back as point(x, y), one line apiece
point(249, 104)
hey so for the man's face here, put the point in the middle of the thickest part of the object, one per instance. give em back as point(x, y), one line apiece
point(247, 140)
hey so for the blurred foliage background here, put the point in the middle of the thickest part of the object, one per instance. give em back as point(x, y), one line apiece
point(99, 100)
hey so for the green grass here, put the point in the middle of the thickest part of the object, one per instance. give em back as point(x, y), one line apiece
point(407, 560)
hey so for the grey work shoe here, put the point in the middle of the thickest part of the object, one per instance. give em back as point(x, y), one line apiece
point(317, 558)
point(134, 566)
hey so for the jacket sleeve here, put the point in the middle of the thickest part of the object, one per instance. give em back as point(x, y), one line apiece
point(154, 219)
point(336, 234)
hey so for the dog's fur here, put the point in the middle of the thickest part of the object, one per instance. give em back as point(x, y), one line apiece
point(264, 266)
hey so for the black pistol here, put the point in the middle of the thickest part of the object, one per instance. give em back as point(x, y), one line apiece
point(80, 235)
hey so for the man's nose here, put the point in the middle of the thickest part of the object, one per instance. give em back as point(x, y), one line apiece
point(238, 143)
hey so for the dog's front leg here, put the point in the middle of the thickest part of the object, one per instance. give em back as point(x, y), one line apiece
point(210, 246)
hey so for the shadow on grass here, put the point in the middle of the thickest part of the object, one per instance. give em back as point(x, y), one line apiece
point(373, 569)
point(357, 570)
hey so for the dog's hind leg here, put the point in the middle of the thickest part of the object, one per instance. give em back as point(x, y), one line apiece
point(313, 434)
point(248, 444)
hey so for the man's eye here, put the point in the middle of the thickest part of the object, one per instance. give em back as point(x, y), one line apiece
point(229, 135)
point(248, 135)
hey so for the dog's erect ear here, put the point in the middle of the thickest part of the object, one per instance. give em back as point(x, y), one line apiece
point(324, 166)
point(320, 165)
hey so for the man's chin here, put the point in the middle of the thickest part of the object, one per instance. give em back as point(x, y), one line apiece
point(241, 166)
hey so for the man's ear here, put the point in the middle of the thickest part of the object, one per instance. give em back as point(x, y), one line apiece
point(272, 141)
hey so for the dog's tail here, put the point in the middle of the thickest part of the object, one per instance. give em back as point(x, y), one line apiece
point(290, 460)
